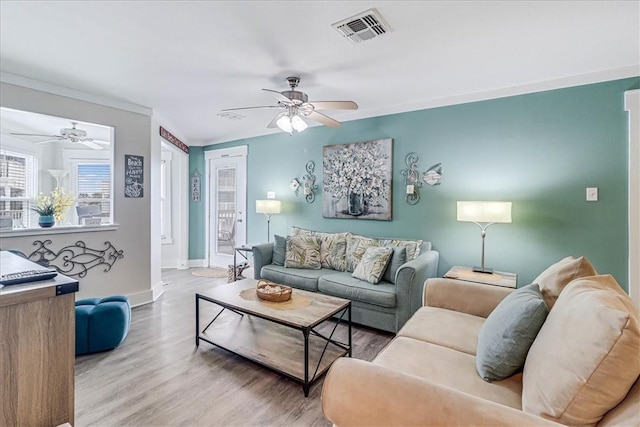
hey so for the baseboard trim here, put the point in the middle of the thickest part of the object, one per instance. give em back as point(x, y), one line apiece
point(198, 263)
point(147, 296)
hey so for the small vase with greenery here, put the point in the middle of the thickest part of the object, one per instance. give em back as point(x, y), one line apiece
point(53, 208)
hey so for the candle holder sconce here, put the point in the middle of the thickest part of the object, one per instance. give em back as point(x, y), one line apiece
point(307, 183)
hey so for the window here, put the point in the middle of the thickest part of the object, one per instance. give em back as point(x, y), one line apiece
point(17, 185)
point(93, 188)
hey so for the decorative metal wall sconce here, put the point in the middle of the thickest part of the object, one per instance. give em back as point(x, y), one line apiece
point(412, 178)
point(307, 182)
point(432, 176)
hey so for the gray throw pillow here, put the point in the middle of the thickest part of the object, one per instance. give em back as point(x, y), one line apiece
point(507, 334)
point(398, 258)
point(279, 249)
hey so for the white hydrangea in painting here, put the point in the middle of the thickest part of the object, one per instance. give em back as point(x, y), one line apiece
point(357, 180)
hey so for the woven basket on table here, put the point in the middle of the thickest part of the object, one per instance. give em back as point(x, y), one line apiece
point(282, 294)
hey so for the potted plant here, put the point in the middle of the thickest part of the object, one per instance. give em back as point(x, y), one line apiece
point(46, 210)
point(53, 208)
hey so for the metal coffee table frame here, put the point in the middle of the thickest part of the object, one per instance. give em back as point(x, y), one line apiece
point(307, 381)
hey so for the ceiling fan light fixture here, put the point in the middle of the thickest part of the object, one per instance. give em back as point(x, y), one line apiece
point(284, 123)
point(298, 124)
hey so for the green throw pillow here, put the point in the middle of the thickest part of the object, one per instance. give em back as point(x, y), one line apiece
point(507, 334)
point(373, 264)
point(279, 249)
point(398, 257)
point(302, 251)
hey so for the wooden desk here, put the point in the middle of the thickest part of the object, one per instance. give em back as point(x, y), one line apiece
point(37, 349)
point(497, 278)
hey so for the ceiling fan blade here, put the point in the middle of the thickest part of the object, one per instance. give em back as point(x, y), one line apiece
point(92, 145)
point(334, 105)
point(50, 140)
point(325, 120)
point(100, 141)
point(275, 119)
point(35, 134)
point(251, 108)
point(280, 97)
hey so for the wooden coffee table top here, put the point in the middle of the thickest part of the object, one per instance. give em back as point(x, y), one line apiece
point(321, 308)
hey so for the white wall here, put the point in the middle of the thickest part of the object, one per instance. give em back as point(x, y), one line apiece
point(137, 275)
point(176, 253)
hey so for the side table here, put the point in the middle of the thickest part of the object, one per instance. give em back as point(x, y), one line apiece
point(242, 250)
point(497, 278)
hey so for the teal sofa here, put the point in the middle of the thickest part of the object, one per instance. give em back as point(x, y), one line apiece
point(386, 305)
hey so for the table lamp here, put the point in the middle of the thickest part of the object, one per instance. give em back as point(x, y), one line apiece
point(486, 213)
point(268, 207)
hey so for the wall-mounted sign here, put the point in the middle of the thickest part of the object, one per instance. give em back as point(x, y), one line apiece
point(172, 139)
point(195, 186)
point(133, 176)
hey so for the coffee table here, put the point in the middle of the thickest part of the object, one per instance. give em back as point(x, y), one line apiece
point(285, 341)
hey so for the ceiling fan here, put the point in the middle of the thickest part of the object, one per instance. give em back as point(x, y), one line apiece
point(69, 135)
point(297, 108)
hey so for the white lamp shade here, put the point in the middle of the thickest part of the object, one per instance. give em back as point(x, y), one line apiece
point(298, 124)
point(270, 206)
point(488, 212)
point(284, 123)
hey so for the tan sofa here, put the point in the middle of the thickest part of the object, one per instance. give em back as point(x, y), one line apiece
point(427, 375)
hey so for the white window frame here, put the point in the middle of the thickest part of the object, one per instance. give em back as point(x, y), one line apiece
point(166, 231)
point(73, 158)
point(31, 182)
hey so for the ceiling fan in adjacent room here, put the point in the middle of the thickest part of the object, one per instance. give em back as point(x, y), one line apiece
point(69, 135)
point(297, 109)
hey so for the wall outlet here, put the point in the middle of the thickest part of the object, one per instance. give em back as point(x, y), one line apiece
point(592, 194)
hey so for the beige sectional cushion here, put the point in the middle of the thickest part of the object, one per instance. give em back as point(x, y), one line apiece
point(449, 368)
point(585, 358)
point(448, 328)
point(627, 413)
point(553, 280)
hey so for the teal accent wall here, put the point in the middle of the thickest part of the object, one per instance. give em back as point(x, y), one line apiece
point(197, 210)
point(540, 151)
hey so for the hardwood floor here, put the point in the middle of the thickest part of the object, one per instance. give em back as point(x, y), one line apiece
point(158, 377)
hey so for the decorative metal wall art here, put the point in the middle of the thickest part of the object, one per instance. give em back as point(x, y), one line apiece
point(75, 260)
point(432, 177)
point(307, 182)
point(412, 178)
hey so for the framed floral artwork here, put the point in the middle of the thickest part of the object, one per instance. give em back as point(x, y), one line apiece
point(357, 180)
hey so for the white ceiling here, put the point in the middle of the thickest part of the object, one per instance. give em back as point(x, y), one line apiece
point(187, 60)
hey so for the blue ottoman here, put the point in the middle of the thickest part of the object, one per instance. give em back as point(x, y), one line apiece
point(101, 323)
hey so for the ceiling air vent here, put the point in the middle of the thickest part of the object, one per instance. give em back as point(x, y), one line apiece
point(363, 26)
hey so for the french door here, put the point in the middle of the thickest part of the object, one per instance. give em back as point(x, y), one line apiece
point(226, 203)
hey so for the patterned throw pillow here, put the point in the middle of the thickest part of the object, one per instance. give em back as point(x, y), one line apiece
point(303, 251)
point(413, 246)
point(373, 264)
point(333, 247)
point(356, 247)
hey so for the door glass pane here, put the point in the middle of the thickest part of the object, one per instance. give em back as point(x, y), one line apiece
point(226, 208)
